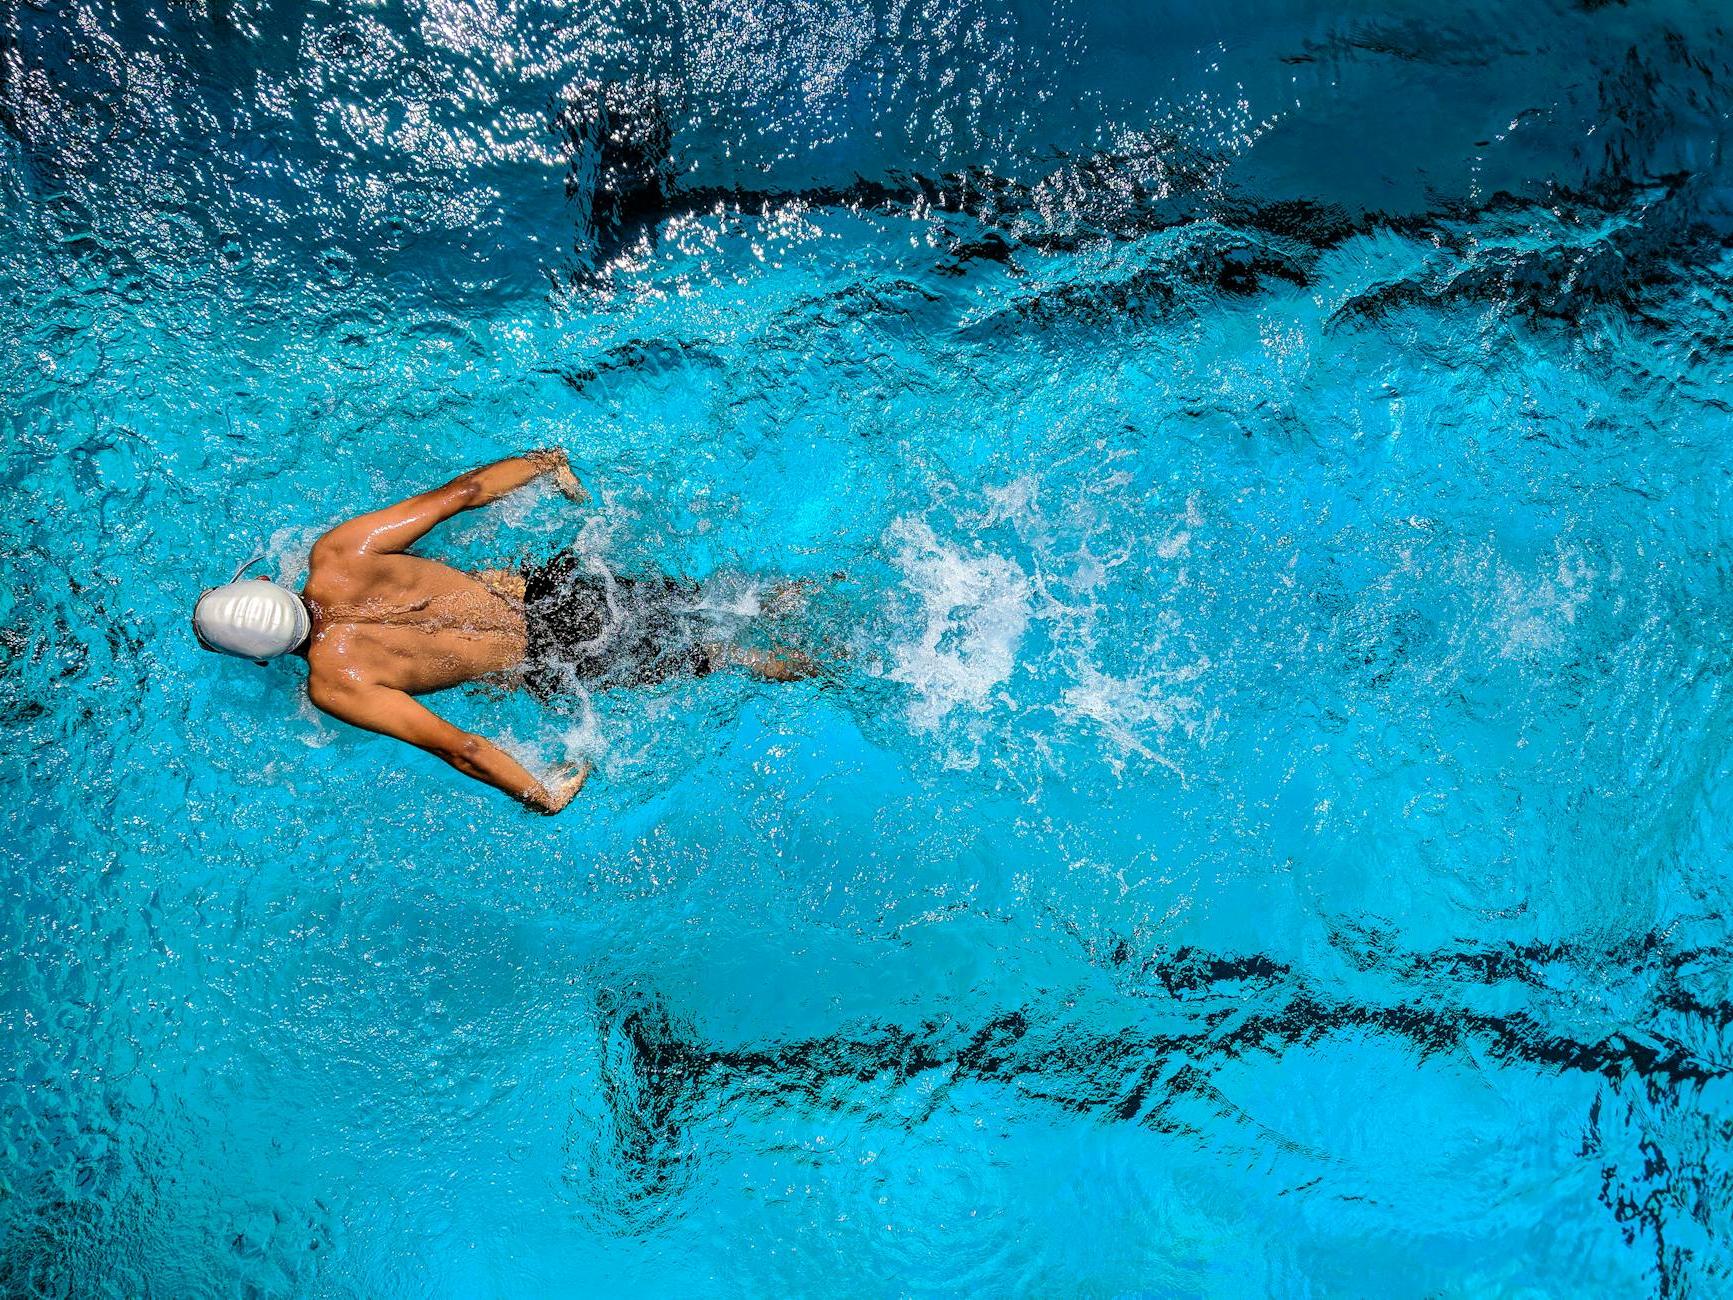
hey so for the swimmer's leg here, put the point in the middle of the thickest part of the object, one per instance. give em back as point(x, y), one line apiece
point(790, 595)
point(786, 597)
point(785, 663)
point(788, 665)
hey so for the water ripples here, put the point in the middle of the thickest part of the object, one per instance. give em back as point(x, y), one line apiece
point(1262, 476)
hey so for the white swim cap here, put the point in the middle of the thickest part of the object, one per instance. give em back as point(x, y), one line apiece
point(252, 619)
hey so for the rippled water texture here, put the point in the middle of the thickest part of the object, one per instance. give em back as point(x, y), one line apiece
point(1269, 832)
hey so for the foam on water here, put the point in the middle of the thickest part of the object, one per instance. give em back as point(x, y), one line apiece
point(971, 611)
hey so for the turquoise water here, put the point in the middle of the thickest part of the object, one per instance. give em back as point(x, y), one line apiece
point(1268, 834)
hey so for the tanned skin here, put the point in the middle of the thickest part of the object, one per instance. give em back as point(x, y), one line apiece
point(388, 626)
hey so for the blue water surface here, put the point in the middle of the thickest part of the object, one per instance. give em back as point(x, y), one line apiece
point(1264, 472)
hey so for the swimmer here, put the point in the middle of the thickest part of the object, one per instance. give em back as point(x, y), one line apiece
point(379, 626)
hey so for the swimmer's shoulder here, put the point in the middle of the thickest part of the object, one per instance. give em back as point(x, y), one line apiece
point(335, 547)
point(327, 591)
point(340, 668)
point(328, 680)
point(338, 573)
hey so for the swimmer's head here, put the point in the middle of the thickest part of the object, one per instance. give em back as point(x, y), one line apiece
point(251, 618)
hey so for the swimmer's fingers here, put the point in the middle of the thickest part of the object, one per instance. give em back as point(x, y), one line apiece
point(567, 482)
point(827, 663)
point(564, 782)
point(554, 461)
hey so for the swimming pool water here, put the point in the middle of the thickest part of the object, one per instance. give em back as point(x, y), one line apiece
point(1265, 468)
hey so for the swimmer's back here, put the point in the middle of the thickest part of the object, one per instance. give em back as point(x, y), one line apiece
point(404, 622)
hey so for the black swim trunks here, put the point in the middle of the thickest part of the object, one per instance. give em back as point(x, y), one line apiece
point(590, 630)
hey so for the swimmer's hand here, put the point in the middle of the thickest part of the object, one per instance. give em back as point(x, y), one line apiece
point(553, 460)
point(562, 785)
point(567, 482)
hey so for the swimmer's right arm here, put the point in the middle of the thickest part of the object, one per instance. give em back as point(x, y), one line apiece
point(402, 717)
point(398, 527)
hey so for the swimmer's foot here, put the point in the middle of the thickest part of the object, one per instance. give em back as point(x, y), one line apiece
point(790, 596)
point(784, 666)
point(787, 597)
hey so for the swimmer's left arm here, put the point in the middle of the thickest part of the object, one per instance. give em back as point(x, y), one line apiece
point(402, 717)
point(398, 527)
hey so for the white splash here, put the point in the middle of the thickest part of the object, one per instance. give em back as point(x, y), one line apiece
point(584, 739)
point(287, 550)
point(974, 609)
point(1534, 612)
point(1136, 715)
point(318, 731)
point(1013, 503)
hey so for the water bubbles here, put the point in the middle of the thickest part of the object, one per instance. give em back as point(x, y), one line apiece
point(972, 612)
